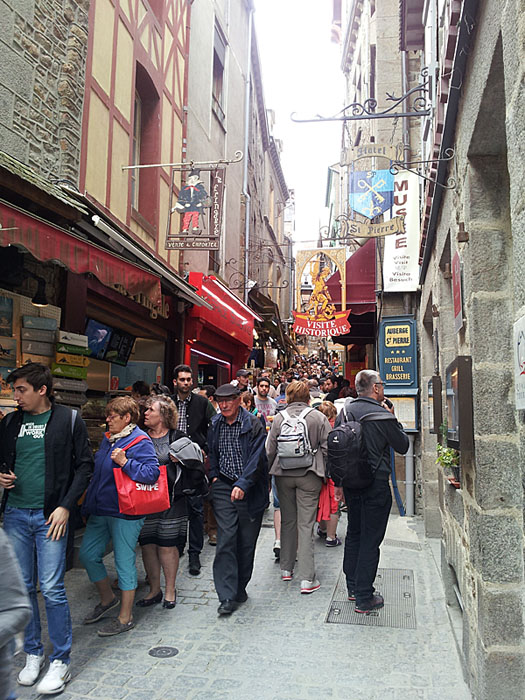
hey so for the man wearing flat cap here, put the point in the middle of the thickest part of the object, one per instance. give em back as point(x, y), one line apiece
point(239, 491)
point(242, 380)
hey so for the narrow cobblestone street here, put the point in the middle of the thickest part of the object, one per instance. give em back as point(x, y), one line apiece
point(277, 646)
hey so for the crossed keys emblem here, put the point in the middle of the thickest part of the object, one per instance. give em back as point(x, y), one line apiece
point(371, 190)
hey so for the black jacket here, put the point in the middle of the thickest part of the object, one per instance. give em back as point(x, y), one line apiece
point(254, 479)
point(69, 458)
point(199, 413)
point(378, 435)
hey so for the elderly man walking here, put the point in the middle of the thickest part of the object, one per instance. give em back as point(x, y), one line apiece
point(239, 491)
point(369, 508)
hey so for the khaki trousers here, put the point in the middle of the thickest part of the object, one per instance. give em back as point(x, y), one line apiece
point(299, 498)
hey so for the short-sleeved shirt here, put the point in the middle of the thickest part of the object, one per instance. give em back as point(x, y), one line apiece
point(30, 462)
point(268, 407)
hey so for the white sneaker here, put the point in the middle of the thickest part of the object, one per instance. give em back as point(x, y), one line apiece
point(55, 679)
point(29, 674)
point(310, 586)
point(277, 548)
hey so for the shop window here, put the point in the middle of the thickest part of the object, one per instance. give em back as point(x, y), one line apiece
point(219, 62)
point(146, 149)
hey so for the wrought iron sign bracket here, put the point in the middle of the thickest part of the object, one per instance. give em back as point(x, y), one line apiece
point(190, 165)
point(449, 153)
point(415, 107)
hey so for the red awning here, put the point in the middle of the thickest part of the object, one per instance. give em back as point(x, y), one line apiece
point(230, 316)
point(47, 242)
point(360, 280)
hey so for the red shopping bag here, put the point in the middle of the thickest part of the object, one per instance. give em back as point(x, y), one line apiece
point(135, 498)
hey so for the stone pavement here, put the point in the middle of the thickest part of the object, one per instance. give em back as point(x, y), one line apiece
point(277, 646)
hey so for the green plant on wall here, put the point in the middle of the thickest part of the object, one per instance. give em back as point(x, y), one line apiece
point(447, 457)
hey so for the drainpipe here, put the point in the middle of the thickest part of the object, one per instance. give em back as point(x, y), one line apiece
point(245, 193)
point(407, 308)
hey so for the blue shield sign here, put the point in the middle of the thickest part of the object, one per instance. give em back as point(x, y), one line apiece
point(371, 192)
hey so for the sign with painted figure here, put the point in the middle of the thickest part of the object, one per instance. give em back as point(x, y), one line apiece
point(192, 202)
point(398, 352)
point(317, 316)
point(371, 192)
point(401, 258)
point(519, 362)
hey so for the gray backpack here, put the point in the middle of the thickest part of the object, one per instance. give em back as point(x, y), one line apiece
point(294, 449)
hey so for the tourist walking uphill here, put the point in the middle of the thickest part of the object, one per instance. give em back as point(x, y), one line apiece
point(47, 463)
point(127, 447)
point(296, 451)
point(369, 508)
point(239, 490)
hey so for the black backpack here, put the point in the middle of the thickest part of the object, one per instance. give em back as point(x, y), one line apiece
point(348, 462)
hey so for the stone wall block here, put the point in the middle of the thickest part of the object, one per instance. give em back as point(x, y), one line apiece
point(500, 617)
point(490, 321)
point(493, 401)
point(15, 72)
point(501, 674)
point(498, 475)
point(454, 503)
point(483, 200)
point(496, 547)
point(486, 259)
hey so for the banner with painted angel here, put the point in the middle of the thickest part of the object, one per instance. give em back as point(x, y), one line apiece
point(317, 314)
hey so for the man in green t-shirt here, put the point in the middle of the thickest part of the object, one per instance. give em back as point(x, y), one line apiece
point(46, 465)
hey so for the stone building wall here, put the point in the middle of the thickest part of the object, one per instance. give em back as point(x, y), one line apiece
point(42, 68)
point(483, 521)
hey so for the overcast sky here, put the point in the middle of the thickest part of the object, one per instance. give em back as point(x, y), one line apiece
point(301, 73)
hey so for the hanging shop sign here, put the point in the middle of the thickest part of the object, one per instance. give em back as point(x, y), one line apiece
point(338, 324)
point(192, 203)
point(398, 352)
point(217, 198)
point(371, 192)
point(361, 229)
point(372, 150)
point(401, 258)
point(519, 362)
point(319, 317)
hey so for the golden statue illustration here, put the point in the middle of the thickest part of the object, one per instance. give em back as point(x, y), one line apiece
point(321, 305)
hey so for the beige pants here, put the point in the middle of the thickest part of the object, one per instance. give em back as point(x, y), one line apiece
point(299, 497)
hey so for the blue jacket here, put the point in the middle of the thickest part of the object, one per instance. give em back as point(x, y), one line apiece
point(142, 466)
point(254, 479)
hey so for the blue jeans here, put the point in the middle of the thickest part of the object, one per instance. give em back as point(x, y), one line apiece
point(44, 560)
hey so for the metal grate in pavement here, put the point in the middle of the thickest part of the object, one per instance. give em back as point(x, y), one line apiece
point(402, 543)
point(397, 588)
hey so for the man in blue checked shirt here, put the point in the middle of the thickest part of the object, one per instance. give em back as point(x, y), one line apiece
point(239, 492)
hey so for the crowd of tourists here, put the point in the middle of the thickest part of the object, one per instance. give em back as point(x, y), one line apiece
point(177, 464)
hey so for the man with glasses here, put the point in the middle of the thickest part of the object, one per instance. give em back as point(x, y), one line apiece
point(239, 490)
point(369, 508)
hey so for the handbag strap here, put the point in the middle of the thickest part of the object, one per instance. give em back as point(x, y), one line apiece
point(136, 440)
